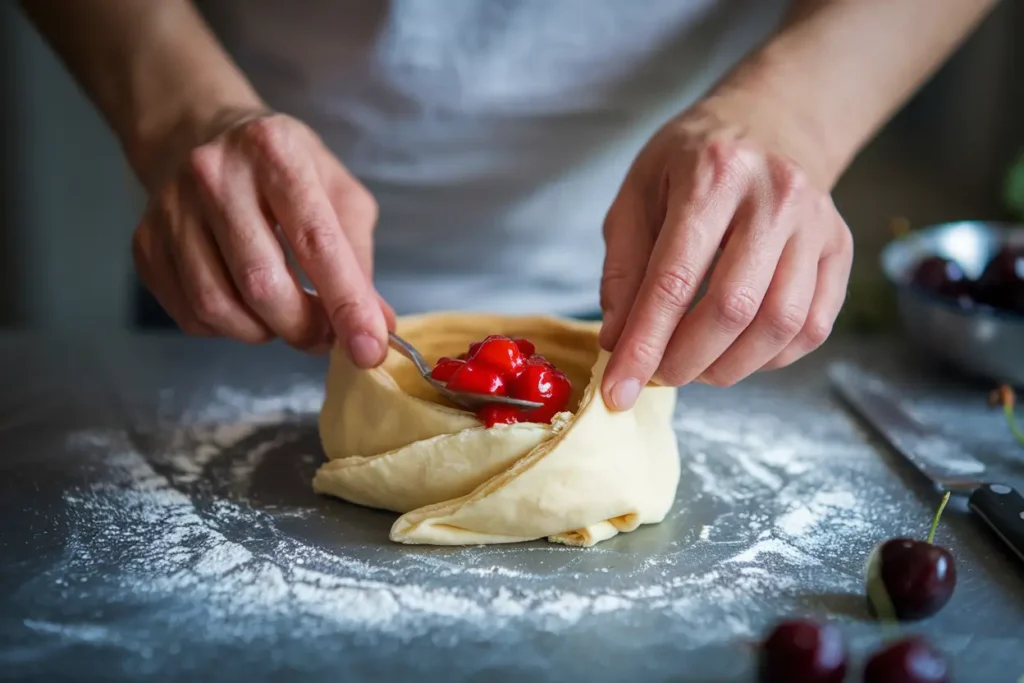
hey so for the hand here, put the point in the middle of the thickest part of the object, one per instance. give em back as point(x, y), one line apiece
point(207, 250)
point(718, 179)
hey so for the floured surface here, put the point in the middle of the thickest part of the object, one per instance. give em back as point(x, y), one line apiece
point(197, 535)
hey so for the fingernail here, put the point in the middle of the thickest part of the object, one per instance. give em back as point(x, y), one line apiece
point(624, 393)
point(364, 350)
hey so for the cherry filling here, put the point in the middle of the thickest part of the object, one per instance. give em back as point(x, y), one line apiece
point(445, 368)
point(501, 366)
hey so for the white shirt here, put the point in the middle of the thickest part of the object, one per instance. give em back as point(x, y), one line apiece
point(493, 133)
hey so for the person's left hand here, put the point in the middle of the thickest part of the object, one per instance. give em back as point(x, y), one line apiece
point(718, 179)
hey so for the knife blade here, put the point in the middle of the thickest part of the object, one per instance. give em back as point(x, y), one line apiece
point(941, 460)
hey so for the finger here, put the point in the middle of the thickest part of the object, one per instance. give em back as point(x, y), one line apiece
point(357, 208)
point(328, 340)
point(829, 295)
point(250, 250)
point(302, 208)
point(628, 243)
point(779, 320)
point(356, 211)
point(208, 289)
point(156, 271)
point(735, 293)
point(682, 254)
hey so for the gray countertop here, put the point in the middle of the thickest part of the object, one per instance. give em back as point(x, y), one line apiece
point(157, 522)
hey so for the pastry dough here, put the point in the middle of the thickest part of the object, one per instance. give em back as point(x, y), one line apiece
point(396, 444)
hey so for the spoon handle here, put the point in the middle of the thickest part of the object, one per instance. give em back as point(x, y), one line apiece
point(410, 352)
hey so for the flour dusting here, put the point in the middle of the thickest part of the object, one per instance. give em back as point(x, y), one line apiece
point(216, 514)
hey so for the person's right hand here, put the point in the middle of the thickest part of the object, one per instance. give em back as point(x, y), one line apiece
point(206, 246)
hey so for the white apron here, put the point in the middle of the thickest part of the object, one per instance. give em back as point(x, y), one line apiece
point(493, 133)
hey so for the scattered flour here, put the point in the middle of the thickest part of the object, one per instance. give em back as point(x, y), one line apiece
point(764, 503)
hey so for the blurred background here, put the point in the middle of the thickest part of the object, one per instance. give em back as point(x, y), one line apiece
point(68, 203)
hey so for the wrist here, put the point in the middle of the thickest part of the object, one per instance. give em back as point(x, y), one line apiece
point(765, 94)
point(156, 142)
point(170, 86)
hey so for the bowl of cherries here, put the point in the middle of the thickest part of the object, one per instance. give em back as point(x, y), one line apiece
point(960, 293)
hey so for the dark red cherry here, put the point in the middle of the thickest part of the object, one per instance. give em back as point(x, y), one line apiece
point(800, 650)
point(943, 277)
point(1001, 284)
point(918, 577)
point(909, 660)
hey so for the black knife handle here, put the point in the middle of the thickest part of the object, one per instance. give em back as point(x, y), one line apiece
point(1002, 509)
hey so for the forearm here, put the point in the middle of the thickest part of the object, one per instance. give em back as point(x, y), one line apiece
point(837, 69)
point(152, 67)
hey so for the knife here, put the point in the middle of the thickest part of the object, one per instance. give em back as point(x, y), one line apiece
point(941, 460)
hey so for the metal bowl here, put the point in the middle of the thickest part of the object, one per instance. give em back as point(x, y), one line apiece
point(979, 340)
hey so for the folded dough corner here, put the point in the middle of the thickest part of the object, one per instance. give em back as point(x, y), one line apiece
point(393, 443)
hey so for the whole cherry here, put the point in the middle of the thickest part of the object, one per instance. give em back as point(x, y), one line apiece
point(908, 660)
point(942, 276)
point(801, 650)
point(1001, 284)
point(908, 579)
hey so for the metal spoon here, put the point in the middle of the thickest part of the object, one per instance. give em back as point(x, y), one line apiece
point(467, 400)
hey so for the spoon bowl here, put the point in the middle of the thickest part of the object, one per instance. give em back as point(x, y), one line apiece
point(467, 400)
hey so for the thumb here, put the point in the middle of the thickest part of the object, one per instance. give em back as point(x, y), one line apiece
point(628, 244)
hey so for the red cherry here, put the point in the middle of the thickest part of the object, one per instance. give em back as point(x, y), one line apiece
point(1002, 283)
point(534, 383)
point(477, 379)
point(910, 579)
point(445, 368)
point(500, 353)
point(910, 660)
point(918, 577)
point(798, 650)
point(526, 346)
point(942, 276)
point(497, 414)
point(472, 349)
point(552, 389)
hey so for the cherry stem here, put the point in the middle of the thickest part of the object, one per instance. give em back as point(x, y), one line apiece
point(1008, 411)
point(935, 520)
point(1004, 395)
